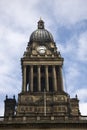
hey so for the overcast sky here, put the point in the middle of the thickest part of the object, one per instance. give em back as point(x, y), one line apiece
point(66, 20)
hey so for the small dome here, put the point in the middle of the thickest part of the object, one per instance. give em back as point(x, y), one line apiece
point(41, 35)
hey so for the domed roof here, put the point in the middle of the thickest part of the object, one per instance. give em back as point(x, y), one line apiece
point(41, 34)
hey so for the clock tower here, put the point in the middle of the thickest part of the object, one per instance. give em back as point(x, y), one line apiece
point(43, 94)
point(42, 102)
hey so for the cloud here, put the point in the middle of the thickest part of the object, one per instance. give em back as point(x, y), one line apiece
point(74, 52)
point(1, 108)
point(82, 94)
point(70, 11)
point(82, 48)
point(18, 12)
point(83, 109)
point(71, 76)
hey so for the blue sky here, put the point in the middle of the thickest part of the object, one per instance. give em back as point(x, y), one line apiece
point(66, 20)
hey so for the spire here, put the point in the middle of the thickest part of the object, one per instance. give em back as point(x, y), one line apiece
point(40, 24)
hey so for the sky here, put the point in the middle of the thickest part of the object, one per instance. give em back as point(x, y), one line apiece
point(66, 20)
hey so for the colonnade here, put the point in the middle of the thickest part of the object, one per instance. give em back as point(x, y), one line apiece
point(55, 73)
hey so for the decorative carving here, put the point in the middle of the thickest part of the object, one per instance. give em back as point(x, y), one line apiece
point(34, 52)
point(28, 99)
point(59, 98)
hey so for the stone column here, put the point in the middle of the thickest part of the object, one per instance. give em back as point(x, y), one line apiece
point(24, 79)
point(31, 78)
point(39, 79)
point(46, 79)
point(54, 78)
point(61, 78)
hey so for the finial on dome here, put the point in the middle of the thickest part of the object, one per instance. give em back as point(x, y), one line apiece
point(40, 24)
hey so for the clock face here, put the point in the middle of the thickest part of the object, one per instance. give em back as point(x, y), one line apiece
point(41, 49)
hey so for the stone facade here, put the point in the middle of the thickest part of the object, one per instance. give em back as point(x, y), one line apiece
point(42, 89)
point(42, 102)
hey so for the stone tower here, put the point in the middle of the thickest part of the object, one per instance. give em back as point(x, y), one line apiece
point(42, 81)
point(42, 102)
point(10, 105)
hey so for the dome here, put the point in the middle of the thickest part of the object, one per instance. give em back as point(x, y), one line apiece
point(41, 34)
